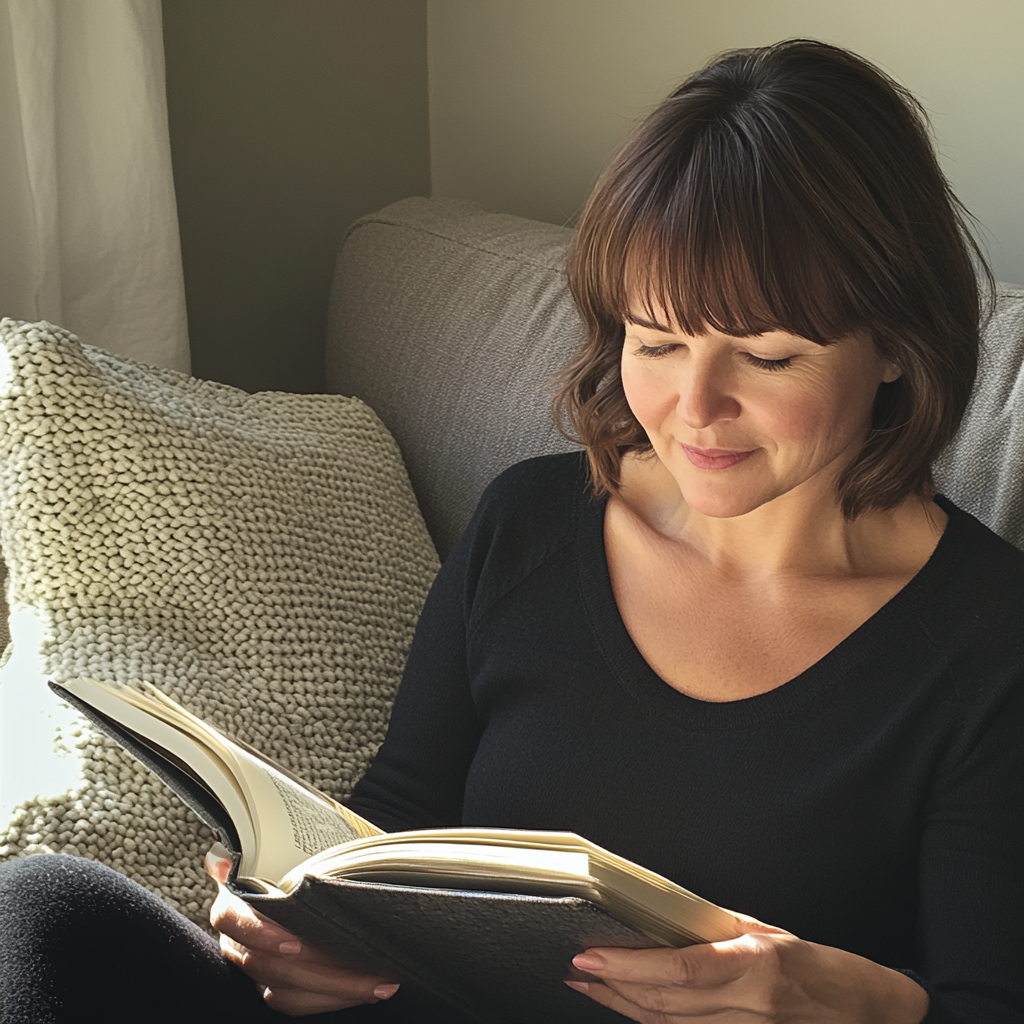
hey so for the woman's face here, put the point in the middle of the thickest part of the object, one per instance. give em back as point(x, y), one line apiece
point(739, 422)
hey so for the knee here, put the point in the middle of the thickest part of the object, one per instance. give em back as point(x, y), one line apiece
point(44, 889)
point(42, 871)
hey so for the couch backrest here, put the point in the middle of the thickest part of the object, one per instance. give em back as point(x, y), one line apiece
point(449, 321)
point(983, 469)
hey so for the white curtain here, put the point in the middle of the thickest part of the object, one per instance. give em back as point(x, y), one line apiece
point(88, 223)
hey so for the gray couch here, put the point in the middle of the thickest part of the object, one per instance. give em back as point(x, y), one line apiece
point(450, 322)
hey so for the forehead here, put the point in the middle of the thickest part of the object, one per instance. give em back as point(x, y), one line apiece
point(652, 315)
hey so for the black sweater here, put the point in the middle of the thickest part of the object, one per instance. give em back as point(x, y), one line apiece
point(874, 803)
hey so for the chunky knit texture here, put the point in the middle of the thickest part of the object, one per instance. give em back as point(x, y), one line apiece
point(261, 558)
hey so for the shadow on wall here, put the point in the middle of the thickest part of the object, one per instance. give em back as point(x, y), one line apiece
point(287, 122)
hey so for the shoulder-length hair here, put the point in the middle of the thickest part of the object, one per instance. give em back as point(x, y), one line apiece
point(791, 187)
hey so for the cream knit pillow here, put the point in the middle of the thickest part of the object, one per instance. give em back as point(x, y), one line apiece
point(259, 557)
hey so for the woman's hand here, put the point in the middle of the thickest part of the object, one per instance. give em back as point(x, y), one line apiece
point(295, 978)
point(764, 975)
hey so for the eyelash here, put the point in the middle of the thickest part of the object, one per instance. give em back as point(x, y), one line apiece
point(655, 351)
point(771, 365)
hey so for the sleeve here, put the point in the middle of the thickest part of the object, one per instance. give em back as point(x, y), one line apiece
point(418, 778)
point(971, 882)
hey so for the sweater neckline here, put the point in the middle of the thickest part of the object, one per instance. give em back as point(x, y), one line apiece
point(835, 670)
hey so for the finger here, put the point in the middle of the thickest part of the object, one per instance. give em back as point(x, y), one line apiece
point(233, 951)
point(650, 1003)
point(708, 965)
point(653, 1004)
point(299, 1002)
point(751, 924)
point(322, 975)
point(600, 993)
point(328, 979)
point(711, 978)
point(232, 916)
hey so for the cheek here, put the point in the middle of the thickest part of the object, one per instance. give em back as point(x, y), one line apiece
point(650, 396)
point(801, 418)
point(825, 414)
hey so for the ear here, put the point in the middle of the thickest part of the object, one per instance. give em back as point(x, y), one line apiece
point(890, 372)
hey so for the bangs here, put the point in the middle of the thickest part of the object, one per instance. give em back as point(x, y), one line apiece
point(738, 239)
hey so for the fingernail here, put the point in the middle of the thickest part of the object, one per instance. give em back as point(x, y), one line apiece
point(588, 961)
point(385, 991)
point(218, 862)
point(290, 947)
point(580, 986)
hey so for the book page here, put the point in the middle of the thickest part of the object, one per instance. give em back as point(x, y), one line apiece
point(435, 863)
point(240, 754)
point(292, 820)
point(188, 752)
point(531, 863)
point(283, 821)
point(292, 824)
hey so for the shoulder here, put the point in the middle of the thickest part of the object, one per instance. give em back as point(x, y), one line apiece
point(982, 564)
point(537, 495)
point(566, 472)
point(976, 612)
point(525, 517)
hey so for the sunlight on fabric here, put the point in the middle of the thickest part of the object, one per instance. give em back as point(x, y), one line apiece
point(36, 742)
point(6, 371)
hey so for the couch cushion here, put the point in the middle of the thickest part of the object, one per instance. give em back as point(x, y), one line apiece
point(450, 322)
point(259, 557)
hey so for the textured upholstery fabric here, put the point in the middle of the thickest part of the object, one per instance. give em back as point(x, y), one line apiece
point(983, 469)
point(449, 322)
point(260, 557)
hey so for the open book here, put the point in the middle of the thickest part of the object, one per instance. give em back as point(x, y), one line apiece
point(433, 907)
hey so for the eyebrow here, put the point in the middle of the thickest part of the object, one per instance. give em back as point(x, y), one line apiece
point(652, 325)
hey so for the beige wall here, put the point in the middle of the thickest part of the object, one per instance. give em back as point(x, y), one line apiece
point(528, 99)
point(288, 119)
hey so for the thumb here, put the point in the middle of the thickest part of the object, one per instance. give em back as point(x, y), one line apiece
point(218, 863)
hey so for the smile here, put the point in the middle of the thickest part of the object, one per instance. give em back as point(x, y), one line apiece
point(714, 458)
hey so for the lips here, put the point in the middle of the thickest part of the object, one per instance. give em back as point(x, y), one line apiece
point(715, 458)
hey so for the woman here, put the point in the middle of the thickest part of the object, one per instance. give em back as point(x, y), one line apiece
point(741, 642)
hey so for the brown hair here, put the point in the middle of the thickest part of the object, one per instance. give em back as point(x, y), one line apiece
point(790, 187)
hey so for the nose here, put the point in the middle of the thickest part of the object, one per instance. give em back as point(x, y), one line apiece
point(704, 395)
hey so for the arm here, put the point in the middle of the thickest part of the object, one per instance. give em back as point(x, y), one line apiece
point(970, 889)
point(418, 777)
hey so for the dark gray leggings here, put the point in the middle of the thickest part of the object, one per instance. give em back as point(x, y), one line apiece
point(79, 943)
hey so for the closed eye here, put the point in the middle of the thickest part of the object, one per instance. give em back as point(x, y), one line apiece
point(654, 351)
point(768, 364)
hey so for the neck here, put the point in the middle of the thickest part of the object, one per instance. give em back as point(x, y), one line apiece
point(800, 533)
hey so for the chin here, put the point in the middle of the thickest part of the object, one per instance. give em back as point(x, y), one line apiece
point(722, 502)
point(723, 509)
